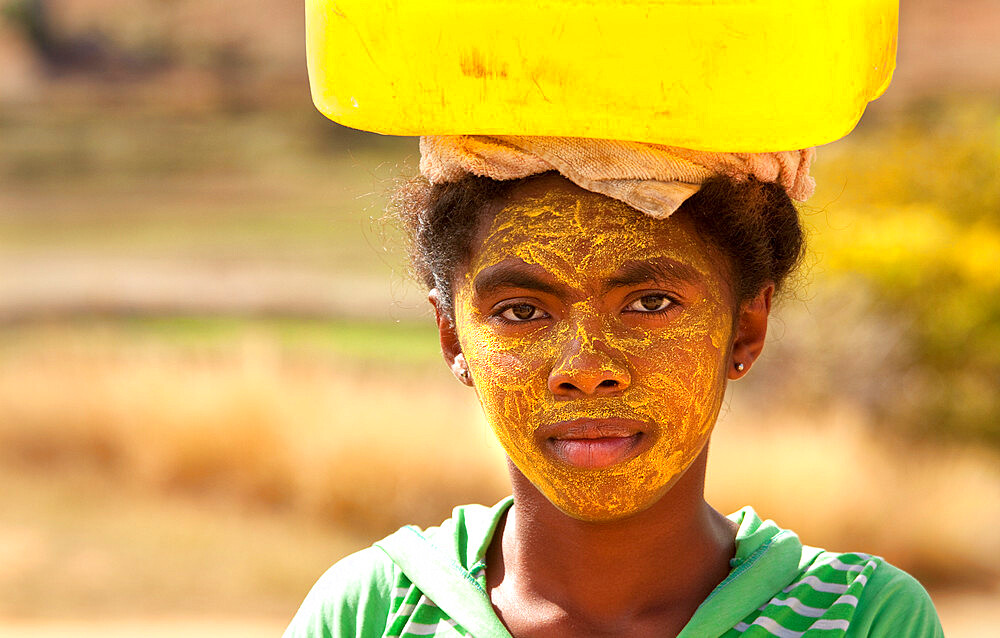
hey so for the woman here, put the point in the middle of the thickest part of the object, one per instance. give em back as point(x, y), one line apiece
point(599, 332)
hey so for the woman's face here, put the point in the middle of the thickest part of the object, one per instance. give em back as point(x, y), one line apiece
point(598, 342)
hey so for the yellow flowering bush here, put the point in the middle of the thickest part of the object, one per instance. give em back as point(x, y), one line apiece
point(911, 205)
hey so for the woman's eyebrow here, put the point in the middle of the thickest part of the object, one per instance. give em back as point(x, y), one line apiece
point(638, 272)
point(514, 275)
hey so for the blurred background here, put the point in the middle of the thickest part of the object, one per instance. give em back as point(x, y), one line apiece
point(216, 377)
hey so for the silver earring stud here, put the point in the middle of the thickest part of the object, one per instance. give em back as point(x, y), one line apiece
point(465, 375)
point(740, 367)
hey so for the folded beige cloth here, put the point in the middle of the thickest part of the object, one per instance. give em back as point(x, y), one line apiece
point(652, 178)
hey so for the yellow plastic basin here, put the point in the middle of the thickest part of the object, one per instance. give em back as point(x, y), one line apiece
point(752, 76)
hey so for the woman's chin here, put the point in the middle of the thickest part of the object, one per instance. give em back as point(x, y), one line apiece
point(609, 499)
point(614, 493)
point(600, 512)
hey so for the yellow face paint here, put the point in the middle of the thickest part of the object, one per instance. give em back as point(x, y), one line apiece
point(601, 391)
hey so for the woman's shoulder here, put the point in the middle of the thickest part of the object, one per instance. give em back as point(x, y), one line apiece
point(359, 594)
point(786, 588)
point(352, 598)
point(886, 600)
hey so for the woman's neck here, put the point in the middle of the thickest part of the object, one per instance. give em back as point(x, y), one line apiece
point(662, 561)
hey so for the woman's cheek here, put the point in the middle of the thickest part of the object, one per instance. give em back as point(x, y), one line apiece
point(509, 378)
point(678, 381)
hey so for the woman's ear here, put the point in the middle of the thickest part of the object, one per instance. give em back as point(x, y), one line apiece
point(451, 349)
point(751, 329)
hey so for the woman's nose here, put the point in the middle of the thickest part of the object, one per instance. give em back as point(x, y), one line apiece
point(586, 370)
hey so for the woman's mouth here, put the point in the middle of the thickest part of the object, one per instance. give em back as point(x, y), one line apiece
point(595, 443)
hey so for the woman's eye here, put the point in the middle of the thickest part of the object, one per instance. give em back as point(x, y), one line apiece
point(649, 303)
point(522, 312)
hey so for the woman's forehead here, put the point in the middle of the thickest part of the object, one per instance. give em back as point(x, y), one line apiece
point(562, 227)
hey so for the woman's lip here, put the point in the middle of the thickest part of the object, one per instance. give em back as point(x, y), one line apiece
point(595, 443)
point(593, 454)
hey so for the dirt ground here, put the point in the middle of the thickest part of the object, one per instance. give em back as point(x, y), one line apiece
point(968, 616)
point(149, 627)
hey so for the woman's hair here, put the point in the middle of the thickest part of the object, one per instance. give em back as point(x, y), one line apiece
point(754, 226)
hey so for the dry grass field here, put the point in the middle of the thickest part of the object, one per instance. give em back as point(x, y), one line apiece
point(200, 475)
